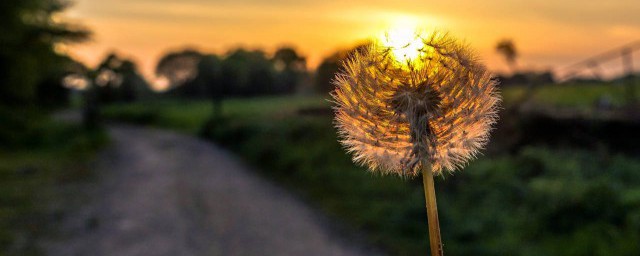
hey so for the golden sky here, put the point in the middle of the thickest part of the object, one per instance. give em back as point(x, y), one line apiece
point(547, 33)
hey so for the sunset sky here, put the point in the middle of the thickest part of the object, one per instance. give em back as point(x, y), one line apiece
point(547, 33)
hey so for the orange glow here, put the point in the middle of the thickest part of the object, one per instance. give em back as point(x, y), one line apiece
point(381, 109)
point(547, 33)
point(403, 41)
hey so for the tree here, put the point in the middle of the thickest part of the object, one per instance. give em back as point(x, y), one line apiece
point(248, 73)
point(117, 80)
point(177, 68)
point(191, 74)
point(28, 36)
point(208, 82)
point(51, 91)
point(30, 68)
point(289, 67)
point(507, 48)
point(133, 86)
point(331, 65)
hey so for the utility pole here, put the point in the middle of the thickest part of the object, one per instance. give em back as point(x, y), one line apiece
point(91, 109)
point(627, 62)
point(595, 70)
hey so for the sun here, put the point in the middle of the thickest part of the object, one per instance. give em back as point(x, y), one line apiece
point(403, 40)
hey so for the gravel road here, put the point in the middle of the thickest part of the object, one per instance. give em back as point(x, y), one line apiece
point(162, 193)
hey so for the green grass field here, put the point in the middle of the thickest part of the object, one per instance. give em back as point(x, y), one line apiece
point(538, 201)
point(29, 177)
point(582, 96)
point(190, 116)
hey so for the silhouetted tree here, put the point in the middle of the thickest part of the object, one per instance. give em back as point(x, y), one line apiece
point(209, 79)
point(133, 86)
point(29, 65)
point(248, 73)
point(51, 92)
point(191, 74)
point(331, 65)
point(289, 67)
point(507, 48)
point(177, 68)
point(114, 80)
point(117, 80)
point(28, 35)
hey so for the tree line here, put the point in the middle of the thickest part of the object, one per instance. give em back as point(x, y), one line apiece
point(32, 66)
point(241, 72)
point(36, 76)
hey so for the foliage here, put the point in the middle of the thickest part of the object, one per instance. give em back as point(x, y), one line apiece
point(290, 67)
point(191, 74)
point(582, 96)
point(507, 48)
point(31, 70)
point(543, 202)
point(248, 73)
point(331, 65)
point(178, 68)
point(528, 78)
point(537, 201)
point(189, 115)
point(117, 79)
point(29, 176)
point(28, 60)
point(241, 72)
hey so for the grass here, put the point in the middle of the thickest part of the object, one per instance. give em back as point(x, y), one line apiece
point(499, 205)
point(538, 201)
point(189, 116)
point(582, 96)
point(30, 174)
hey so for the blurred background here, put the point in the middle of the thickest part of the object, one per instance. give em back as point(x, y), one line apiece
point(561, 175)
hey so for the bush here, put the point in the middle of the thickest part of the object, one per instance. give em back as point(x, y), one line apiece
point(539, 201)
point(28, 175)
point(536, 200)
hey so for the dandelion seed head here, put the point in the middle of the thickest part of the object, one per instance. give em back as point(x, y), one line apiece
point(396, 114)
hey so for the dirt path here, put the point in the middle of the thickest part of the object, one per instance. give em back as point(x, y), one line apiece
point(161, 193)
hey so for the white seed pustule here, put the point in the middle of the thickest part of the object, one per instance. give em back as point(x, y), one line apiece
point(395, 116)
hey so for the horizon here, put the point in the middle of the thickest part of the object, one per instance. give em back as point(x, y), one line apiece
point(548, 35)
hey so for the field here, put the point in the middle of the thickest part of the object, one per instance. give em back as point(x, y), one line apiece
point(582, 97)
point(30, 177)
point(538, 200)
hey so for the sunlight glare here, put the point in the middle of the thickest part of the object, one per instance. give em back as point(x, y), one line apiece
point(403, 40)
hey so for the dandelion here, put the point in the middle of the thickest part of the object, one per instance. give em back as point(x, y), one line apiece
point(424, 106)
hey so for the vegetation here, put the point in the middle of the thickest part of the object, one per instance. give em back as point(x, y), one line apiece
point(240, 72)
point(30, 175)
point(582, 96)
point(536, 201)
point(331, 65)
point(190, 116)
point(117, 79)
point(36, 154)
point(507, 49)
point(31, 71)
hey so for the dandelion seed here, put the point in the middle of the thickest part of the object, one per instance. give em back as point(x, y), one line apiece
point(437, 108)
point(431, 103)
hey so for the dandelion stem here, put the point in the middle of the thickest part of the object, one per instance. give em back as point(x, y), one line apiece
point(432, 211)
